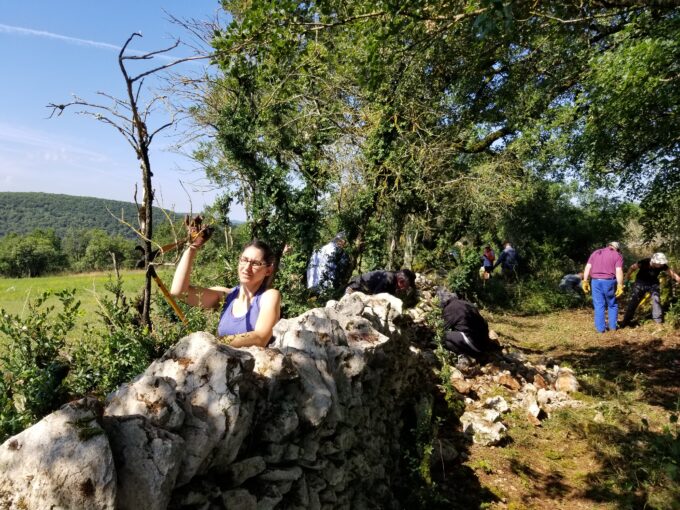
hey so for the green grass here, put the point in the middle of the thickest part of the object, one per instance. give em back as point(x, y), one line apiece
point(16, 292)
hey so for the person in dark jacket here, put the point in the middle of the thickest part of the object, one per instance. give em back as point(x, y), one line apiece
point(401, 284)
point(647, 280)
point(508, 260)
point(467, 332)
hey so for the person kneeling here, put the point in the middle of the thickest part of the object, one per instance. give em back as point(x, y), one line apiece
point(467, 332)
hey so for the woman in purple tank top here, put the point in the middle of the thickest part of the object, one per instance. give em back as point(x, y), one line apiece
point(251, 309)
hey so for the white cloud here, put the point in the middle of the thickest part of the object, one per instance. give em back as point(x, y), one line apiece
point(13, 30)
point(9, 29)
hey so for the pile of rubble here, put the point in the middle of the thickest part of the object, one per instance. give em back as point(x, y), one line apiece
point(506, 382)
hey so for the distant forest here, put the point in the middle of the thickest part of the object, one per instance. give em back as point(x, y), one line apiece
point(22, 213)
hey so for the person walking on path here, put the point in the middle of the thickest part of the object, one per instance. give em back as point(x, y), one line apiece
point(508, 261)
point(488, 258)
point(647, 280)
point(605, 267)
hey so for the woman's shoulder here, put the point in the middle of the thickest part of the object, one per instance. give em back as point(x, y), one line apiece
point(271, 293)
point(271, 296)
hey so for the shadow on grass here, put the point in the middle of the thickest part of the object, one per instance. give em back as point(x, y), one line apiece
point(551, 484)
point(648, 366)
point(638, 467)
point(461, 488)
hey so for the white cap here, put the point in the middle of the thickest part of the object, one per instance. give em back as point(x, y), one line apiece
point(659, 258)
point(615, 245)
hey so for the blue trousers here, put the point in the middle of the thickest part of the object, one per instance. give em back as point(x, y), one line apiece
point(604, 299)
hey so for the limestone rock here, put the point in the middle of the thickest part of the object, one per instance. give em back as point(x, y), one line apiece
point(313, 421)
point(148, 460)
point(483, 430)
point(566, 381)
point(210, 383)
point(62, 462)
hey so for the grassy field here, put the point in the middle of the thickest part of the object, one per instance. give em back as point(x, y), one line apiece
point(15, 293)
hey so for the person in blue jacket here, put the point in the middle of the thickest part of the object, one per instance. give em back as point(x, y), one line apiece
point(508, 260)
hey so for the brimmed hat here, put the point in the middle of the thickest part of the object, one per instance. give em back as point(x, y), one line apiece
point(615, 245)
point(659, 258)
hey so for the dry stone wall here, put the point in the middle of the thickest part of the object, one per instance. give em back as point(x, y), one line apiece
point(315, 421)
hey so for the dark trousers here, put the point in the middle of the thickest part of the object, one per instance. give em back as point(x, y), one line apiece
point(638, 294)
point(460, 343)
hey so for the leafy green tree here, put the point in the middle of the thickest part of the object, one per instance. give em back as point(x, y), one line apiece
point(100, 250)
point(425, 122)
point(30, 255)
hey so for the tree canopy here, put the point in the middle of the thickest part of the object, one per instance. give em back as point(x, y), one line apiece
point(417, 123)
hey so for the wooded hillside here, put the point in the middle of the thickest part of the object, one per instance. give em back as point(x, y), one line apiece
point(21, 213)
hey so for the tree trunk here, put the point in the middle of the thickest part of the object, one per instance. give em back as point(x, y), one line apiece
point(147, 231)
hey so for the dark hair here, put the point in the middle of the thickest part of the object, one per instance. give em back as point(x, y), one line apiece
point(409, 275)
point(268, 256)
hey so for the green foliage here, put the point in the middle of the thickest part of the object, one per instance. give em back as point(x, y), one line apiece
point(673, 315)
point(32, 369)
point(100, 250)
point(114, 352)
point(415, 125)
point(32, 255)
point(463, 277)
point(168, 328)
point(292, 283)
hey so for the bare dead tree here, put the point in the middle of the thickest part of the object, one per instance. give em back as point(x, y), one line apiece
point(131, 117)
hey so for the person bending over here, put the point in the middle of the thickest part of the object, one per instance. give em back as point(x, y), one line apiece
point(647, 280)
point(401, 284)
point(467, 332)
point(250, 309)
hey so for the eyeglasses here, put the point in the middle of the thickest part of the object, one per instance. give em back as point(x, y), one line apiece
point(257, 264)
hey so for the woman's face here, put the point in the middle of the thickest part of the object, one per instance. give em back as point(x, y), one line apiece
point(252, 268)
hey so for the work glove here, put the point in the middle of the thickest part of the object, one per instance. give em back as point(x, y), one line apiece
point(197, 232)
point(585, 285)
point(619, 290)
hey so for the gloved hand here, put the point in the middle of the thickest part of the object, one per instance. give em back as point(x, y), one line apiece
point(619, 290)
point(198, 233)
point(585, 285)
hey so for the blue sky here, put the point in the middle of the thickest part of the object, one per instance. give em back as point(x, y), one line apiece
point(51, 50)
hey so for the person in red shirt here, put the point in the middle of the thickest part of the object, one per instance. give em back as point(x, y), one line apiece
point(605, 268)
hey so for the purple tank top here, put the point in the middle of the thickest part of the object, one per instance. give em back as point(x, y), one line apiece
point(230, 325)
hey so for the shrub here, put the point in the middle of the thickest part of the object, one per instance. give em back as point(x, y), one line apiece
point(462, 278)
point(114, 352)
point(33, 368)
point(673, 315)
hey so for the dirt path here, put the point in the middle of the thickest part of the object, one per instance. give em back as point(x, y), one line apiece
point(620, 450)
